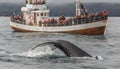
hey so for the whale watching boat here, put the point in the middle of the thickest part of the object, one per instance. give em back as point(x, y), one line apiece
point(35, 18)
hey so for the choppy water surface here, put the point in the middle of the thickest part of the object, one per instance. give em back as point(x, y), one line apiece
point(15, 48)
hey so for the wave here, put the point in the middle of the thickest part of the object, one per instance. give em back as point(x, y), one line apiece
point(42, 54)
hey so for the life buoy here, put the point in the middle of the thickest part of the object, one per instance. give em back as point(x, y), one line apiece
point(31, 17)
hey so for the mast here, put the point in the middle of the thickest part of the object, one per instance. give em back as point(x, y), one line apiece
point(80, 9)
point(77, 3)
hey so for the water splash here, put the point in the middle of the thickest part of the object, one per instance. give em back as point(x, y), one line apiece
point(98, 57)
point(42, 51)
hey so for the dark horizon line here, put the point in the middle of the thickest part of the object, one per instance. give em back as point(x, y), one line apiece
point(65, 3)
point(109, 6)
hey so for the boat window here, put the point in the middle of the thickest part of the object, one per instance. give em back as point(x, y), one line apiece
point(37, 14)
point(26, 1)
point(77, 12)
point(45, 13)
point(41, 14)
point(45, 8)
point(36, 9)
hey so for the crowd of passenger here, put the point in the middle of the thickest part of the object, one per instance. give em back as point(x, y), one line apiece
point(17, 19)
point(36, 2)
point(64, 21)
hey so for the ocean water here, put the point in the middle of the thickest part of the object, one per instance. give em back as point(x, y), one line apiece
point(15, 48)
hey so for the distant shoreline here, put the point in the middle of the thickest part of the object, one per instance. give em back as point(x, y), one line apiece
point(113, 8)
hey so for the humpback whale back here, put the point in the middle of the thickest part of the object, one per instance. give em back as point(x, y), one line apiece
point(68, 48)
